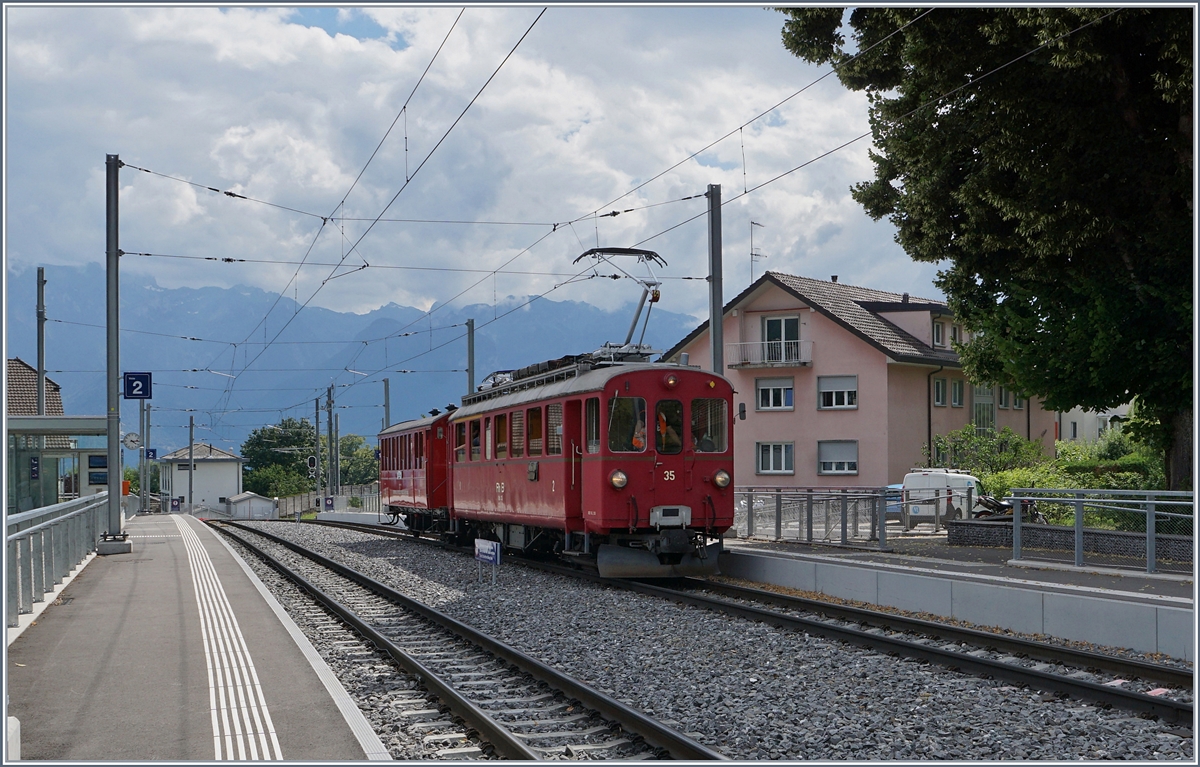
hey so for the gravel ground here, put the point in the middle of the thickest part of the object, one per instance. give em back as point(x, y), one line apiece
point(745, 689)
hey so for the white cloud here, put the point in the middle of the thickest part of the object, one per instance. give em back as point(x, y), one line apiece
point(594, 102)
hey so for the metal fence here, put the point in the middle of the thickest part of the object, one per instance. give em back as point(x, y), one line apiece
point(45, 544)
point(364, 498)
point(1150, 530)
point(848, 516)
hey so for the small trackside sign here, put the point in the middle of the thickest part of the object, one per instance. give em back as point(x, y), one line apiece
point(487, 552)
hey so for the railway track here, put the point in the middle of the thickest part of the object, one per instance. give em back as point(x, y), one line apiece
point(502, 701)
point(1054, 670)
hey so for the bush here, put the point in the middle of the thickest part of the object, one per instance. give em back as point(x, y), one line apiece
point(988, 453)
point(1113, 444)
point(1001, 483)
point(355, 502)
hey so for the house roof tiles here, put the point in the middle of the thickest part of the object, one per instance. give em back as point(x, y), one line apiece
point(21, 391)
point(202, 451)
point(856, 309)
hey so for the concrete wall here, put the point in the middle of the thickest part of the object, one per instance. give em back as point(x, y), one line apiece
point(1137, 626)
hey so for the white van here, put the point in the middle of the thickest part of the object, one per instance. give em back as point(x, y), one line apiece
point(935, 495)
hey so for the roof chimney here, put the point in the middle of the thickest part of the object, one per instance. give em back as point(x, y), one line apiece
point(904, 299)
point(833, 278)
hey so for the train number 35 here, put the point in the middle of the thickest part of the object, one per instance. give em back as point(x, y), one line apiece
point(668, 475)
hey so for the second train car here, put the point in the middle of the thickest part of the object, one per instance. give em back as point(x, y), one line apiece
point(624, 465)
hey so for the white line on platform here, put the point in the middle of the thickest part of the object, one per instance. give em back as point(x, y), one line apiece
point(372, 746)
point(235, 695)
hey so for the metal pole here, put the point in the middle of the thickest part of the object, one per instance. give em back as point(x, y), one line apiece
point(1151, 545)
point(1078, 529)
point(41, 341)
point(317, 441)
point(845, 502)
point(142, 457)
point(387, 404)
point(716, 335)
point(113, 366)
point(191, 458)
point(146, 446)
point(470, 356)
point(329, 441)
point(337, 454)
point(778, 513)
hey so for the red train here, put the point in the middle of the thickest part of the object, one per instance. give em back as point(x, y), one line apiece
point(627, 465)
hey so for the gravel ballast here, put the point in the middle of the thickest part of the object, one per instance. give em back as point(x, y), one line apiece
point(745, 689)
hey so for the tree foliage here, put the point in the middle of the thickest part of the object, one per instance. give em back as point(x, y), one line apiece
point(987, 453)
point(277, 481)
point(1055, 182)
point(276, 458)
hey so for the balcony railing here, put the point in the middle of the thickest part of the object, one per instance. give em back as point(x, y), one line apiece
point(769, 354)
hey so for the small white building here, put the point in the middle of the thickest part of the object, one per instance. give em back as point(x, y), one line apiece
point(252, 506)
point(1087, 425)
point(218, 476)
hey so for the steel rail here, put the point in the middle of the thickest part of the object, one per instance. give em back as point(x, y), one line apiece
point(1178, 677)
point(1077, 688)
point(653, 732)
point(505, 742)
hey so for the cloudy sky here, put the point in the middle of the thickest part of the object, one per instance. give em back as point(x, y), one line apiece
point(286, 106)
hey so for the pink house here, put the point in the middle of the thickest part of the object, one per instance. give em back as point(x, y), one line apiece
point(844, 386)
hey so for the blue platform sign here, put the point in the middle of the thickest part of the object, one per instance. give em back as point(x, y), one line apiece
point(174, 504)
point(151, 454)
point(487, 552)
point(35, 470)
point(137, 386)
point(329, 503)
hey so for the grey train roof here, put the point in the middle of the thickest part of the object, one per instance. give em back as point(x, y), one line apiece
point(585, 381)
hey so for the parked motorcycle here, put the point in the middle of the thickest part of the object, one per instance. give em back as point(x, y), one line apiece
point(994, 507)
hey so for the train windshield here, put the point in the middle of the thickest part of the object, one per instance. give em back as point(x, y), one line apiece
point(709, 421)
point(627, 424)
point(669, 425)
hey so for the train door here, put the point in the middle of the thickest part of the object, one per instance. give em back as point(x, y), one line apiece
point(572, 445)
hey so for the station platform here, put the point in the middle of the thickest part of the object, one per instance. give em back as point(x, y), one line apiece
point(986, 587)
point(176, 651)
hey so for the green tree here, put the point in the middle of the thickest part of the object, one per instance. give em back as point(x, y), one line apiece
point(1057, 185)
point(277, 481)
point(275, 454)
point(131, 476)
point(358, 463)
point(989, 452)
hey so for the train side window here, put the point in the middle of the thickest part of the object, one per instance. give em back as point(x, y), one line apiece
point(534, 416)
point(554, 429)
point(421, 450)
point(591, 411)
point(627, 424)
point(517, 442)
point(501, 436)
point(668, 426)
point(474, 428)
point(460, 442)
point(709, 424)
point(487, 439)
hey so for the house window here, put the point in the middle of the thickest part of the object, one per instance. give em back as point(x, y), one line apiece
point(781, 339)
point(554, 424)
point(840, 457)
point(1002, 397)
point(939, 337)
point(774, 393)
point(591, 410)
point(1074, 430)
point(837, 392)
point(954, 334)
point(985, 409)
point(956, 394)
point(939, 392)
point(1018, 403)
point(776, 457)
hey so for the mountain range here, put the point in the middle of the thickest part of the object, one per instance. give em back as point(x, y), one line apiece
point(195, 340)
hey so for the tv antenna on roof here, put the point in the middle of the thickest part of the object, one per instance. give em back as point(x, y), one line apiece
point(650, 290)
point(754, 254)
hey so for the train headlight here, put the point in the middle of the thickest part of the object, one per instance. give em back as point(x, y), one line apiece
point(670, 380)
point(722, 478)
point(618, 479)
